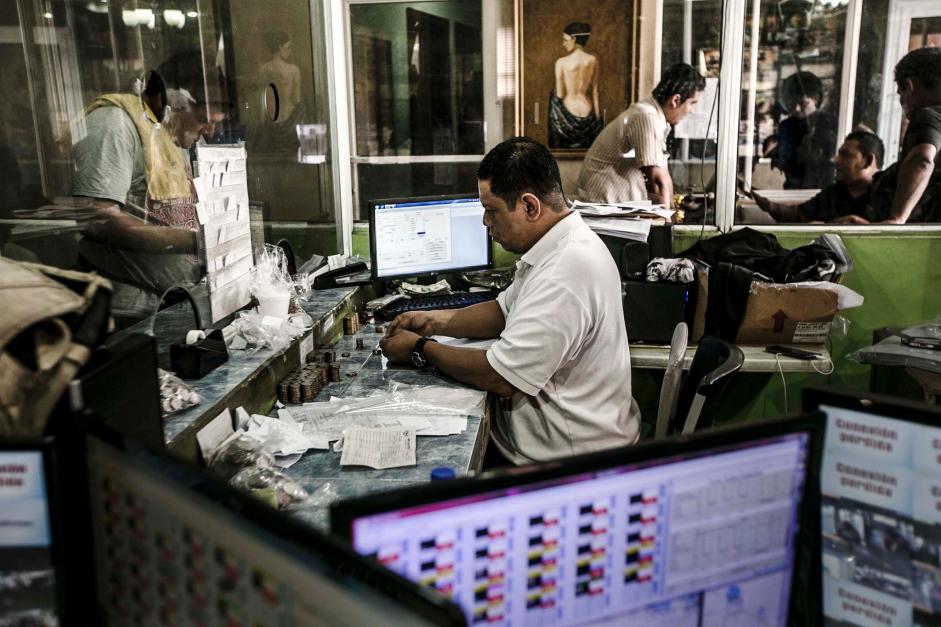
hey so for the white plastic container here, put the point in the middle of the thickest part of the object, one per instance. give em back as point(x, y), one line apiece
point(274, 304)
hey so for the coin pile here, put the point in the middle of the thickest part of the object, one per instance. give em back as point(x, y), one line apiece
point(302, 385)
point(351, 324)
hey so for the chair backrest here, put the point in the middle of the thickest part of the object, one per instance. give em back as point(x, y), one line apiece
point(714, 361)
point(670, 389)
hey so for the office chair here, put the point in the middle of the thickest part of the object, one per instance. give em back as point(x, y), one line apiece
point(714, 362)
point(670, 388)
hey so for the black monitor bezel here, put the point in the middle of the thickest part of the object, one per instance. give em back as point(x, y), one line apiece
point(814, 396)
point(372, 237)
point(343, 513)
point(46, 446)
point(311, 544)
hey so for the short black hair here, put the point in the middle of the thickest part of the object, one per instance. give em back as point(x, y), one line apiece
point(799, 85)
point(682, 79)
point(869, 144)
point(923, 64)
point(579, 31)
point(519, 165)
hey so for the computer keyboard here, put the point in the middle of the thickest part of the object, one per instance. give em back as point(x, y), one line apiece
point(436, 301)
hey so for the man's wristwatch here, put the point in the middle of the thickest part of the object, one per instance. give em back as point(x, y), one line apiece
point(418, 352)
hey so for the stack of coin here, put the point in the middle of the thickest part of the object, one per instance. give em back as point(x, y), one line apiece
point(335, 373)
point(351, 324)
point(302, 385)
point(328, 357)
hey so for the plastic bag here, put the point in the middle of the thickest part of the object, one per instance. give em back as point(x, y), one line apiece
point(271, 284)
point(175, 395)
point(269, 485)
point(256, 330)
point(239, 451)
point(404, 399)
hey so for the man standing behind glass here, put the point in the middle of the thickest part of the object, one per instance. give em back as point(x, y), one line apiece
point(918, 77)
point(628, 159)
point(131, 169)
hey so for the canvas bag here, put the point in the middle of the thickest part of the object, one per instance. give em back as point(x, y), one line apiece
point(50, 320)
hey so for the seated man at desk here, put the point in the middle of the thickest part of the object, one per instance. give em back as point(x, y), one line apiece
point(561, 362)
point(857, 164)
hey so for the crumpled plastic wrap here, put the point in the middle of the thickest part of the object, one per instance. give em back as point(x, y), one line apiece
point(252, 330)
point(175, 395)
point(892, 352)
point(270, 274)
point(433, 400)
point(239, 451)
point(270, 485)
point(679, 270)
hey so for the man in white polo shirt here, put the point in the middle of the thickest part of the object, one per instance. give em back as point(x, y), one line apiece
point(561, 362)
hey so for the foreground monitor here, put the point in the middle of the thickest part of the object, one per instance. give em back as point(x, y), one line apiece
point(880, 484)
point(28, 573)
point(413, 237)
point(700, 531)
point(173, 547)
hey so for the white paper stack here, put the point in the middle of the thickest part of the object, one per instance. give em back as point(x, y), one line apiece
point(637, 230)
point(222, 189)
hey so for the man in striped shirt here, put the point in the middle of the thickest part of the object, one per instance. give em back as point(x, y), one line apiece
point(628, 159)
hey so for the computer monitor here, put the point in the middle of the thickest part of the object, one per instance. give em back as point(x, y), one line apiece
point(174, 547)
point(695, 531)
point(880, 509)
point(29, 594)
point(423, 236)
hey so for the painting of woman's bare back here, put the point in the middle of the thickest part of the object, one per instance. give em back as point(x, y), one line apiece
point(577, 67)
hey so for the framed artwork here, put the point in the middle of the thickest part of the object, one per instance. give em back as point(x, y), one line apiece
point(577, 69)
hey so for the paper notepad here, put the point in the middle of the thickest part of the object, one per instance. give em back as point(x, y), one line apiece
point(378, 448)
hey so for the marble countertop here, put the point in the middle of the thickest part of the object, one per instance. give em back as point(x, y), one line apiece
point(173, 323)
point(320, 472)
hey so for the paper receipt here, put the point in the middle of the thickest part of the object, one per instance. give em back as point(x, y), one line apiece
point(378, 448)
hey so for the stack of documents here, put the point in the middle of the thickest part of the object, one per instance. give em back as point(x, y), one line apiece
point(618, 227)
point(632, 209)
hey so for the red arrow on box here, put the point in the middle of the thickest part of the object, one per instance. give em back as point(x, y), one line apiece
point(779, 319)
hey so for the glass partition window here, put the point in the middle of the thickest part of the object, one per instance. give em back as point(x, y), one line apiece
point(821, 124)
point(106, 106)
point(417, 80)
point(692, 142)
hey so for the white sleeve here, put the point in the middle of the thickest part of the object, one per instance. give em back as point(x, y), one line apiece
point(547, 326)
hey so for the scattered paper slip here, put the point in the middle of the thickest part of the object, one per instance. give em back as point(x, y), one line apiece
point(378, 448)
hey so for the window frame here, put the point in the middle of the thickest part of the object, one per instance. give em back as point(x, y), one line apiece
point(730, 80)
point(344, 143)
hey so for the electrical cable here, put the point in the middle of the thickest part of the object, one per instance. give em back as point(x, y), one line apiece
point(777, 360)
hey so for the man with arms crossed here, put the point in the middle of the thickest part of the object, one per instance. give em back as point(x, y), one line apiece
point(561, 360)
point(917, 175)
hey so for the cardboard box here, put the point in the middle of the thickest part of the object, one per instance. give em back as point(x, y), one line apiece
point(786, 314)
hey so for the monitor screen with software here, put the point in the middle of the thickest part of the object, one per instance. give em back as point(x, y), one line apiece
point(28, 593)
point(174, 547)
point(421, 236)
point(700, 532)
point(880, 509)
